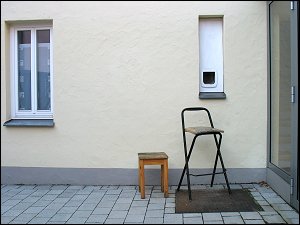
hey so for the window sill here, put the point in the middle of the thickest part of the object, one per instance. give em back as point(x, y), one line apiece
point(29, 123)
point(212, 95)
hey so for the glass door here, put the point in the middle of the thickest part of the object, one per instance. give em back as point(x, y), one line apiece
point(283, 98)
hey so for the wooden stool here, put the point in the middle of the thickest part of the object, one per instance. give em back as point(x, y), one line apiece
point(153, 158)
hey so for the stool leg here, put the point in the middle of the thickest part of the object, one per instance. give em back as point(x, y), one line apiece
point(139, 175)
point(223, 167)
point(222, 163)
point(142, 178)
point(162, 175)
point(165, 179)
point(186, 166)
point(216, 160)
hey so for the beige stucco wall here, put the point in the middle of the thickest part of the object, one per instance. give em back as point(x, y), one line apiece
point(123, 71)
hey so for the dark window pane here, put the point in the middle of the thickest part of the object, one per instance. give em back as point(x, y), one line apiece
point(43, 70)
point(24, 70)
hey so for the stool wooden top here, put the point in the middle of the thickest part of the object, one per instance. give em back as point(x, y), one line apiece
point(152, 155)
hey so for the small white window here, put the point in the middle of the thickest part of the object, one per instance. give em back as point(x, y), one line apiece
point(211, 58)
point(32, 73)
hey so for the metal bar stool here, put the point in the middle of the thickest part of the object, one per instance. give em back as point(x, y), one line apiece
point(198, 131)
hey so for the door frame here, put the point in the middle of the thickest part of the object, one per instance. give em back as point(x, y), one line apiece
point(284, 184)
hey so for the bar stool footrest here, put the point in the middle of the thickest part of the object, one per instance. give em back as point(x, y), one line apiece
point(206, 174)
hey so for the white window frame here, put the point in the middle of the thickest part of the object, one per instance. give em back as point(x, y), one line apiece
point(33, 113)
point(211, 52)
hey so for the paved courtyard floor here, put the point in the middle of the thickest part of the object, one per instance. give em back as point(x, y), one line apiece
point(70, 204)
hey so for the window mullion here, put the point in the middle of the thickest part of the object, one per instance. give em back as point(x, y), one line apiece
point(16, 69)
point(33, 74)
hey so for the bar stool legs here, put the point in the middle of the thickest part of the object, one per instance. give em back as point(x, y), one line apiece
point(187, 158)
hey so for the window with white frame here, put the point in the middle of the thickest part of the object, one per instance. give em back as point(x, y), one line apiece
point(32, 72)
point(211, 57)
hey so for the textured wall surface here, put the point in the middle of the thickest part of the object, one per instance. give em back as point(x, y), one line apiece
point(123, 71)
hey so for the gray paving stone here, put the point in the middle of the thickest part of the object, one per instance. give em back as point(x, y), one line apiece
point(89, 207)
point(251, 215)
point(42, 220)
point(18, 222)
point(66, 210)
point(21, 206)
point(96, 219)
point(61, 200)
point(263, 202)
point(255, 193)
point(94, 200)
point(153, 220)
point(192, 220)
point(47, 213)
point(77, 220)
point(40, 203)
point(170, 205)
point(155, 213)
point(35, 210)
point(211, 216)
point(275, 200)
point(121, 206)
point(224, 214)
point(106, 204)
point(273, 219)
point(214, 222)
point(24, 217)
point(157, 195)
point(268, 213)
point(117, 215)
point(82, 213)
point(138, 197)
point(114, 192)
point(19, 197)
point(254, 222)
point(13, 213)
point(60, 217)
point(11, 202)
point(102, 211)
point(55, 192)
point(282, 207)
point(137, 210)
point(157, 200)
point(110, 197)
point(77, 197)
point(289, 214)
point(192, 215)
point(6, 219)
point(156, 206)
point(8, 207)
point(127, 195)
point(114, 221)
point(73, 203)
point(247, 186)
point(139, 203)
point(124, 200)
point(53, 206)
point(292, 221)
point(169, 210)
point(170, 200)
point(268, 208)
point(173, 219)
point(258, 198)
point(233, 220)
point(134, 219)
